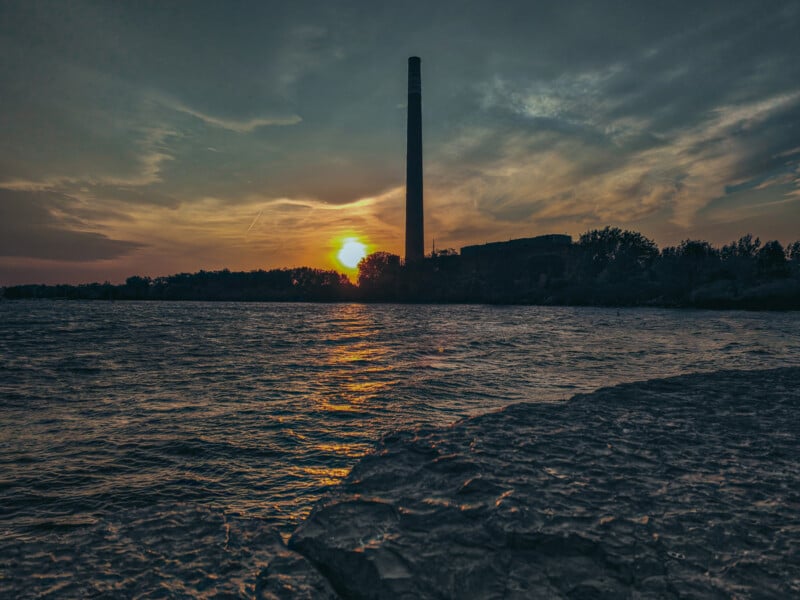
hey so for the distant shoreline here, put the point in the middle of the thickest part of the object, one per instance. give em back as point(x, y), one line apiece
point(608, 267)
point(750, 306)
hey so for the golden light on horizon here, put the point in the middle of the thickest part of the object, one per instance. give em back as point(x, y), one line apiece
point(351, 252)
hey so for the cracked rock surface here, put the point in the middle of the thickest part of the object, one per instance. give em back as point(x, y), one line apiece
point(680, 487)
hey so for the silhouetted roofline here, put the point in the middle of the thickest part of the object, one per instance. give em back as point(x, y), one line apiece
point(551, 241)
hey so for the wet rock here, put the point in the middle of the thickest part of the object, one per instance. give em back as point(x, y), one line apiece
point(290, 575)
point(683, 486)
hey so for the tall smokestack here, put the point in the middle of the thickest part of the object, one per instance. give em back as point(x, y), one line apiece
point(415, 237)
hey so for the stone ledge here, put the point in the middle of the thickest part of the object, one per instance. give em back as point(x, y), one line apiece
point(675, 487)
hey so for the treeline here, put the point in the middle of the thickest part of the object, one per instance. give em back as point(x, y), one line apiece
point(282, 285)
point(605, 267)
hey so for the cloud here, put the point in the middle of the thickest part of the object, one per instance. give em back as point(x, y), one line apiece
point(153, 154)
point(525, 176)
point(39, 225)
point(572, 97)
point(178, 127)
point(239, 126)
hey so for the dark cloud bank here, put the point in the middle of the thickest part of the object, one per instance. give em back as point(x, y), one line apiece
point(28, 228)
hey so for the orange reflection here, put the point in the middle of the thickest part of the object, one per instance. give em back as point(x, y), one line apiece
point(366, 388)
point(349, 450)
point(358, 367)
point(320, 475)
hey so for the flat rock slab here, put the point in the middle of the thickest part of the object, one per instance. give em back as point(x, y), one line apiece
point(681, 487)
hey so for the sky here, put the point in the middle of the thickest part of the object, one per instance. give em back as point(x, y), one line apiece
point(156, 137)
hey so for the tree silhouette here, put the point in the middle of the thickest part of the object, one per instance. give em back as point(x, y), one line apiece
point(607, 266)
point(379, 274)
point(772, 260)
point(617, 253)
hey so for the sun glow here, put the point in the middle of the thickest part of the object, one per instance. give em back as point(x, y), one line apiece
point(351, 253)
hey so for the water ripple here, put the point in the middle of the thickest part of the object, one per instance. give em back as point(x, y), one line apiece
point(152, 448)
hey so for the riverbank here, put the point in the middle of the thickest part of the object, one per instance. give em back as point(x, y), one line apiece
point(666, 488)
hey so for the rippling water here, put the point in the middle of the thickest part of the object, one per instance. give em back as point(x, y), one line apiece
point(153, 448)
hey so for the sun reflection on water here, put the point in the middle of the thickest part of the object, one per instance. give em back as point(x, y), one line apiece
point(354, 375)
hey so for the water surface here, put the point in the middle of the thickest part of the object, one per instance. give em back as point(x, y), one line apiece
point(152, 448)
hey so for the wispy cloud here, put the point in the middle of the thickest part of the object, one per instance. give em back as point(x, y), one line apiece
point(237, 125)
point(148, 159)
point(530, 179)
point(39, 225)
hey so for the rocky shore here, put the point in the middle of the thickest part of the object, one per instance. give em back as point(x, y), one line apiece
point(680, 487)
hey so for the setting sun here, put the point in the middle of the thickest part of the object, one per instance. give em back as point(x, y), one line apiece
point(351, 253)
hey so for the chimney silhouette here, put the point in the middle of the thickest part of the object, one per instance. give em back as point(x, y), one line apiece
point(415, 236)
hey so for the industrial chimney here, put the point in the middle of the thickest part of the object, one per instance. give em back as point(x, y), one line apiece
point(415, 237)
